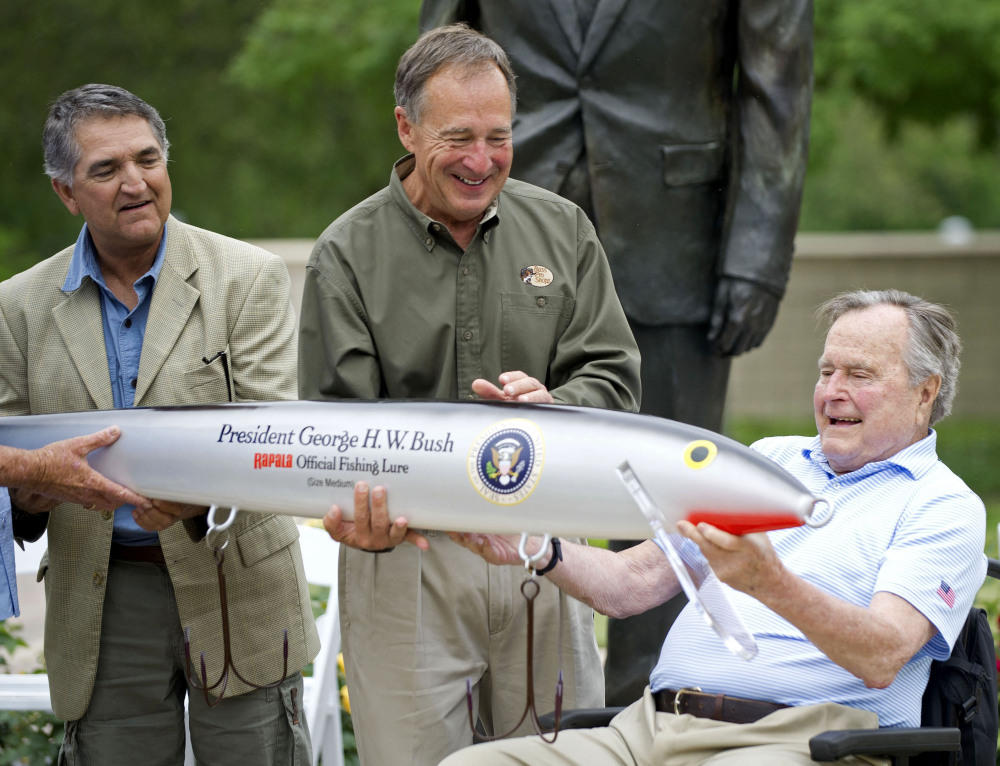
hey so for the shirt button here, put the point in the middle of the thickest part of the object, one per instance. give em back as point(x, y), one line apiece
point(465, 270)
point(429, 241)
point(470, 397)
point(108, 515)
point(134, 382)
point(98, 578)
point(128, 322)
point(541, 303)
point(467, 334)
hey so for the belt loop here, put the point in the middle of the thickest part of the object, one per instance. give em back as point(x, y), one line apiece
point(717, 713)
point(677, 697)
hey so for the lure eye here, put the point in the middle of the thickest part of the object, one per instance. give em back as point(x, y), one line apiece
point(700, 454)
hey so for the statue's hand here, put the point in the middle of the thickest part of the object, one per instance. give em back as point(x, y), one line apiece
point(741, 317)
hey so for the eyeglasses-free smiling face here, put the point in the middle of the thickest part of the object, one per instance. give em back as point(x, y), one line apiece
point(463, 146)
point(865, 408)
point(120, 184)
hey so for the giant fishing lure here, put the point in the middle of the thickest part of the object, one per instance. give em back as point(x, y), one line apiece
point(469, 466)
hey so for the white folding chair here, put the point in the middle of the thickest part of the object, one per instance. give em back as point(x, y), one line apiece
point(27, 561)
point(322, 690)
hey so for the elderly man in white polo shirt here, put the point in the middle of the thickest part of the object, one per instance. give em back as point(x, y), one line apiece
point(847, 617)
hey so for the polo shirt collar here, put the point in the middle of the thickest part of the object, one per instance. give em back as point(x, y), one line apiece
point(917, 459)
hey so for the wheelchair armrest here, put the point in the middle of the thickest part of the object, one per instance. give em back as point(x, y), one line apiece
point(580, 718)
point(832, 745)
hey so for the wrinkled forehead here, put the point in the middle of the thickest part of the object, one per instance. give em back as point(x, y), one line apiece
point(453, 91)
point(103, 131)
point(871, 337)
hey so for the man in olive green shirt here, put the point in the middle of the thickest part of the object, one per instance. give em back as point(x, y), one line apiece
point(448, 280)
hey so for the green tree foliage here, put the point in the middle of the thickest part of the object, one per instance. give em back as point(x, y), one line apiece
point(858, 180)
point(330, 66)
point(915, 60)
point(906, 115)
point(280, 111)
point(171, 54)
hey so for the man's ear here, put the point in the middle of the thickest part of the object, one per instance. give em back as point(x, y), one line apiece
point(65, 192)
point(929, 390)
point(404, 128)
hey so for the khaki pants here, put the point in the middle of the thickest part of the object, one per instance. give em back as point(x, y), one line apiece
point(136, 711)
point(417, 625)
point(640, 736)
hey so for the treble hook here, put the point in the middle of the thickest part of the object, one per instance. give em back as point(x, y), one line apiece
point(227, 653)
point(530, 583)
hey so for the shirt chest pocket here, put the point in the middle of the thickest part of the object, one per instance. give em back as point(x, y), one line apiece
point(531, 326)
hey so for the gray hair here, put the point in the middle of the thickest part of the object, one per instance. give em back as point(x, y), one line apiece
point(73, 107)
point(932, 347)
point(453, 45)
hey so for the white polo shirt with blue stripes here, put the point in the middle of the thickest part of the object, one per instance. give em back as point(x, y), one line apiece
point(906, 525)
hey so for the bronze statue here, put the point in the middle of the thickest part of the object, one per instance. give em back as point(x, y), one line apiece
point(681, 128)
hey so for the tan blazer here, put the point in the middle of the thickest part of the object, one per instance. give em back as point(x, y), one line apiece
point(213, 293)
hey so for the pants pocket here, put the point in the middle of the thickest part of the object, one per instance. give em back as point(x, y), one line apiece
point(294, 746)
point(69, 749)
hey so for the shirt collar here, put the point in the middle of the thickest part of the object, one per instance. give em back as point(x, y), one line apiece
point(84, 262)
point(421, 223)
point(917, 459)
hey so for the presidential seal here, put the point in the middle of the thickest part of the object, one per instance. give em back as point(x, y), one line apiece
point(505, 461)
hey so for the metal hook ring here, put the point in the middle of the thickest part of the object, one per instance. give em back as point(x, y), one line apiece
point(214, 528)
point(813, 519)
point(522, 550)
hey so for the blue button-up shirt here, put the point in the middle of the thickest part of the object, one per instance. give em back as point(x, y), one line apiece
point(124, 331)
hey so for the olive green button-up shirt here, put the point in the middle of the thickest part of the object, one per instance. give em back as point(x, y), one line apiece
point(393, 307)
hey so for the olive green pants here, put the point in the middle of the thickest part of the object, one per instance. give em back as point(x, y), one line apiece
point(136, 711)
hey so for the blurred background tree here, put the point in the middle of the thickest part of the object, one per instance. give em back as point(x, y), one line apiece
point(280, 112)
point(906, 115)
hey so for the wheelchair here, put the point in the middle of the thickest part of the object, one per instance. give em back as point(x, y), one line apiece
point(919, 746)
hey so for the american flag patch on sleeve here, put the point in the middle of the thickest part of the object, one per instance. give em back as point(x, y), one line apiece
point(946, 594)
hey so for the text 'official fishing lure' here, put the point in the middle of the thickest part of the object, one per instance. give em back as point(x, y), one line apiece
point(470, 466)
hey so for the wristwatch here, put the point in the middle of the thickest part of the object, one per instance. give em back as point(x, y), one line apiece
point(555, 559)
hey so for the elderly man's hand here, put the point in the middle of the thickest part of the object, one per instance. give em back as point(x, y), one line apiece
point(742, 316)
point(371, 529)
point(164, 513)
point(32, 502)
point(747, 563)
point(60, 473)
point(495, 549)
point(517, 387)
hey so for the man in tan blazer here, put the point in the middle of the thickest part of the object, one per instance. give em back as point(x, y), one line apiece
point(143, 311)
